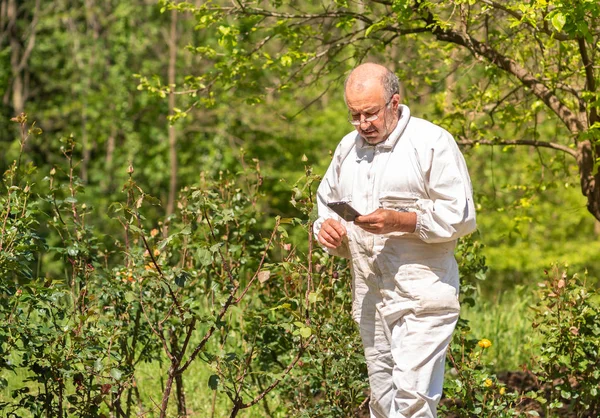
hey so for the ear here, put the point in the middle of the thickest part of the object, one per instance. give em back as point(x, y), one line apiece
point(395, 102)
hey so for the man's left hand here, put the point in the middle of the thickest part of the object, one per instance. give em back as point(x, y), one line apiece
point(384, 221)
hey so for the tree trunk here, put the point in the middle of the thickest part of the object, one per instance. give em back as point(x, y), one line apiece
point(590, 178)
point(172, 132)
point(179, 389)
point(17, 100)
point(20, 50)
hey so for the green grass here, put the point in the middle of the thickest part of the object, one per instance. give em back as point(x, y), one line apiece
point(150, 379)
point(505, 319)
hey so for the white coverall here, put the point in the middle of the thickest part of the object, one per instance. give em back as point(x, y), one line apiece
point(405, 285)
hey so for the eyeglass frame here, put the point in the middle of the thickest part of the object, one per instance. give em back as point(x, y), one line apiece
point(370, 119)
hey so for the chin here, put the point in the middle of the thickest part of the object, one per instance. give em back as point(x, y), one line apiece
point(373, 140)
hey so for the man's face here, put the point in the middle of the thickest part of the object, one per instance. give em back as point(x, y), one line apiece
point(370, 101)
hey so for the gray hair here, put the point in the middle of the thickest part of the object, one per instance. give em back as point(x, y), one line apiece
point(391, 85)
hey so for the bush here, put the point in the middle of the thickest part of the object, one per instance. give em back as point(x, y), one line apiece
point(568, 367)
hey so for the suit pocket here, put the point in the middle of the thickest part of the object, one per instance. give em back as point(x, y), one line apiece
point(399, 201)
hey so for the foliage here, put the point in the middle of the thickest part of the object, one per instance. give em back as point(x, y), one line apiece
point(567, 320)
point(99, 283)
point(471, 388)
point(81, 338)
point(532, 62)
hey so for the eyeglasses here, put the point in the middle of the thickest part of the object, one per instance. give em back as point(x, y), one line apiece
point(356, 121)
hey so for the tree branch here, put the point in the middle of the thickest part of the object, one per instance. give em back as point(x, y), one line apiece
point(589, 76)
point(480, 49)
point(31, 40)
point(262, 260)
point(283, 374)
point(519, 16)
point(528, 142)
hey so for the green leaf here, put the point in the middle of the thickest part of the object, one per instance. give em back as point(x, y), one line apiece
point(314, 297)
point(98, 365)
point(213, 382)
point(204, 257)
point(558, 21)
point(116, 374)
point(305, 332)
point(181, 278)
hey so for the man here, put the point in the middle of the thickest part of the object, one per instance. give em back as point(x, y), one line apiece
point(409, 181)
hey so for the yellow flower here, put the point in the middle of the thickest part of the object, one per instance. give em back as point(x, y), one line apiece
point(488, 383)
point(502, 390)
point(484, 343)
point(154, 232)
point(156, 253)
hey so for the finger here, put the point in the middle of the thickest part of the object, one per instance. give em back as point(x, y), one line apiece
point(332, 232)
point(332, 241)
point(339, 229)
point(325, 243)
point(361, 219)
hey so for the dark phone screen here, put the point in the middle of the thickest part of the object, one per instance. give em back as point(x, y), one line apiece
point(347, 212)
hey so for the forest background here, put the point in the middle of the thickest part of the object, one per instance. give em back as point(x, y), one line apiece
point(160, 161)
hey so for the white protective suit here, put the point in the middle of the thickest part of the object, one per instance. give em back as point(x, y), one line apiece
point(405, 285)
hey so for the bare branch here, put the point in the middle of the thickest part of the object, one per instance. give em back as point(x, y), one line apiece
point(31, 40)
point(209, 333)
point(262, 260)
point(160, 335)
point(283, 374)
point(325, 15)
point(527, 142)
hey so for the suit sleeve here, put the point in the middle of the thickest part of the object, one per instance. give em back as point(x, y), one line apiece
point(328, 191)
point(449, 212)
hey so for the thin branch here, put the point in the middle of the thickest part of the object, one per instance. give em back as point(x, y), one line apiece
point(315, 99)
point(497, 105)
point(187, 337)
point(519, 16)
point(31, 40)
point(210, 331)
point(283, 374)
point(527, 142)
point(315, 16)
point(262, 260)
point(160, 336)
point(480, 49)
point(171, 293)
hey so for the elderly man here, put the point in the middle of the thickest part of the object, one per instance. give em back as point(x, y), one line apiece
point(409, 181)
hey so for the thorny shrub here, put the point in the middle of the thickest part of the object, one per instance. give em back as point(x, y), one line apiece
point(568, 367)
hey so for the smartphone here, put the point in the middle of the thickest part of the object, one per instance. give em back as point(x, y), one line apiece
point(347, 212)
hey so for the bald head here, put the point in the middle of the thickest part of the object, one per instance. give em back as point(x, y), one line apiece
point(369, 76)
point(371, 94)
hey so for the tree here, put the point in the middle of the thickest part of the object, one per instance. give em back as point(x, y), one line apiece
point(514, 66)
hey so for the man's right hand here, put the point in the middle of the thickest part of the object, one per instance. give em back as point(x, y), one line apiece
point(331, 234)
